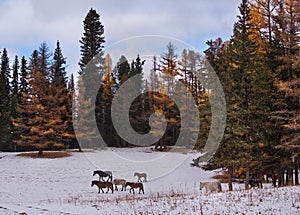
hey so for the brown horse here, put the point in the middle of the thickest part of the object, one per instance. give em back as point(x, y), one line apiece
point(102, 184)
point(121, 182)
point(133, 185)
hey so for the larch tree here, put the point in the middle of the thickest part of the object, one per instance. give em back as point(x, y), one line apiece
point(104, 100)
point(40, 118)
point(287, 76)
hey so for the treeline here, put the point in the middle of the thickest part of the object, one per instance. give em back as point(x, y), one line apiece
point(260, 73)
point(170, 74)
point(40, 106)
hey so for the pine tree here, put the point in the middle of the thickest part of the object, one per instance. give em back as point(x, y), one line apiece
point(15, 96)
point(23, 76)
point(92, 40)
point(4, 101)
point(15, 78)
point(59, 93)
point(91, 72)
point(71, 140)
point(248, 98)
point(136, 112)
point(44, 60)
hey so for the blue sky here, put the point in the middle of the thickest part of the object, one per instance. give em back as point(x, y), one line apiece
point(25, 24)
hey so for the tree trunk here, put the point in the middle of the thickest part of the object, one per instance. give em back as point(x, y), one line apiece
point(273, 178)
point(279, 173)
point(247, 179)
point(290, 180)
point(296, 172)
point(40, 153)
point(230, 173)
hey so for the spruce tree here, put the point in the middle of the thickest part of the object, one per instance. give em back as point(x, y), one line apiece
point(59, 93)
point(23, 77)
point(91, 72)
point(15, 78)
point(247, 84)
point(4, 101)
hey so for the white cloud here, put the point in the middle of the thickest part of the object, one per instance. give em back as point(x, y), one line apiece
point(24, 24)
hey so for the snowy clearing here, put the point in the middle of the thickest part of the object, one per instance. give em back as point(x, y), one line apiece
point(63, 186)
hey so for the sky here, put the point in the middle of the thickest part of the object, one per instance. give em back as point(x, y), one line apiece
point(25, 24)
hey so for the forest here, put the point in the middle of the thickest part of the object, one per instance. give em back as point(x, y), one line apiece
point(258, 68)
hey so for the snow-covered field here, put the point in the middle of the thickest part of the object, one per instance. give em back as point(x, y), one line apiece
point(63, 186)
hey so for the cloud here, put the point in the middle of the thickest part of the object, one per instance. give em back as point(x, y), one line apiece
point(27, 23)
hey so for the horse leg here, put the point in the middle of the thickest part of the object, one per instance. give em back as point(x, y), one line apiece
point(132, 190)
point(116, 188)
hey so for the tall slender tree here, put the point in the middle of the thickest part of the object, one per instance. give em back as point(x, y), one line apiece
point(91, 72)
point(4, 101)
point(15, 77)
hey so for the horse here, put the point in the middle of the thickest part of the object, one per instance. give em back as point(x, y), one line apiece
point(140, 175)
point(133, 185)
point(103, 174)
point(211, 186)
point(119, 182)
point(104, 184)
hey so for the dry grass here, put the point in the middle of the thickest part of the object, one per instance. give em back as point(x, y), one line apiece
point(46, 154)
point(221, 178)
point(173, 149)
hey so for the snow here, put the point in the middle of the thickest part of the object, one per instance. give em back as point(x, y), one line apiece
point(63, 186)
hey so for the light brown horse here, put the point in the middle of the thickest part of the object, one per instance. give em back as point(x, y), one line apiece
point(133, 185)
point(102, 185)
point(140, 176)
point(119, 182)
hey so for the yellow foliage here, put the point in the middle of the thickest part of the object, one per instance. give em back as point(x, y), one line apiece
point(260, 144)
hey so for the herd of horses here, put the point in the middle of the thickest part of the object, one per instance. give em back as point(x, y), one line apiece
point(112, 185)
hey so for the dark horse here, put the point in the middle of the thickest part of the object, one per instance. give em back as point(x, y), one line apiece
point(135, 185)
point(102, 185)
point(103, 174)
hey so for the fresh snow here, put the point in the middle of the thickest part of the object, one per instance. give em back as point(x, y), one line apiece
point(63, 186)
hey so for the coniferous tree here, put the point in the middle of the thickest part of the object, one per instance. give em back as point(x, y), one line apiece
point(23, 76)
point(247, 85)
point(15, 96)
point(91, 72)
point(59, 93)
point(4, 101)
point(72, 141)
point(15, 78)
point(39, 117)
point(137, 111)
